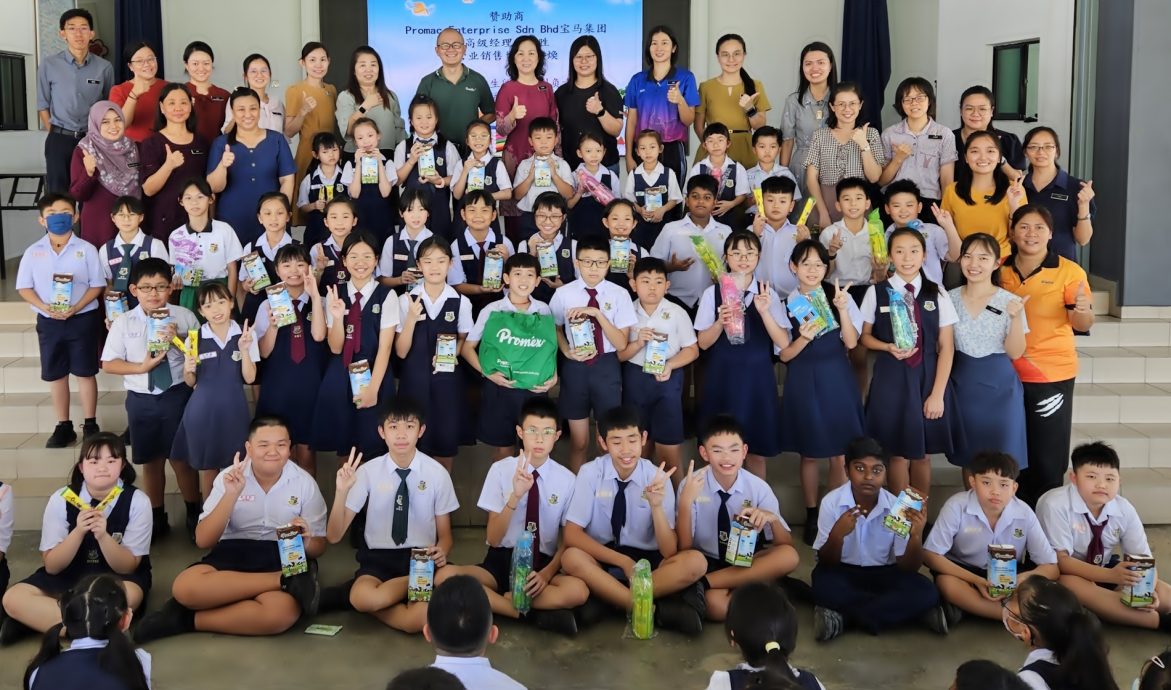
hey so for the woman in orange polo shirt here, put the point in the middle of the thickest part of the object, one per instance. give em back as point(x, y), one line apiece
point(1057, 301)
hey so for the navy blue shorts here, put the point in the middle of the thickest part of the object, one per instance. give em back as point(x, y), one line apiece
point(660, 404)
point(243, 555)
point(498, 563)
point(655, 558)
point(70, 346)
point(500, 413)
point(56, 585)
point(384, 564)
point(586, 387)
point(154, 419)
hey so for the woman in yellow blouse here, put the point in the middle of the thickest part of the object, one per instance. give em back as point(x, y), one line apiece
point(310, 105)
point(733, 98)
point(982, 199)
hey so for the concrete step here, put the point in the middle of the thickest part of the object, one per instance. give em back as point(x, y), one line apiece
point(27, 413)
point(1124, 365)
point(23, 375)
point(1121, 403)
point(1111, 331)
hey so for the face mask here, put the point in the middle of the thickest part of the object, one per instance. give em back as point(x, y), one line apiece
point(59, 223)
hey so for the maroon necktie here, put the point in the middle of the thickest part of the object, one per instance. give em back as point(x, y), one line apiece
point(917, 358)
point(483, 257)
point(297, 344)
point(353, 330)
point(1096, 551)
point(593, 302)
point(533, 512)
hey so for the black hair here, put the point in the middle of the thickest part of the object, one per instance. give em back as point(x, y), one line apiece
point(459, 617)
point(981, 674)
point(355, 88)
point(251, 59)
point(964, 173)
point(831, 119)
point(368, 121)
point(778, 185)
point(151, 267)
point(580, 42)
point(994, 462)
point(412, 195)
point(521, 260)
point(721, 424)
point(197, 47)
point(74, 14)
point(763, 623)
point(716, 129)
point(652, 133)
point(765, 131)
point(291, 252)
point(1062, 625)
point(420, 100)
point(542, 124)
point(849, 183)
point(49, 198)
point(804, 247)
point(94, 607)
point(903, 186)
point(590, 136)
point(266, 422)
point(129, 51)
point(618, 418)
point(269, 196)
point(1097, 453)
point(359, 236)
point(161, 119)
point(919, 84)
point(704, 182)
point(400, 408)
point(239, 93)
point(131, 203)
point(650, 264)
point(591, 244)
point(552, 200)
point(510, 66)
point(907, 232)
point(988, 242)
point(475, 124)
point(312, 46)
point(199, 182)
point(749, 85)
point(650, 35)
point(206, 291)
point(1156, 676)
point(538, 406)
point(1040, 210)
point(345, 200)
point(615, 203)
point(865, 447)
point(434, 242)
point(325, 140)
point(90, 448)
point(1042, 129)
point(425, 678)
point(979, 90)
point(481, 195)
point(739, 237)
point(831, 79)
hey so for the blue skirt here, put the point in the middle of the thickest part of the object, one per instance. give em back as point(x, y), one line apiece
point(289, 391)
point(990, 401)
point(740, 381)
point(338, 425)
point(821, 411)
point(894, 410)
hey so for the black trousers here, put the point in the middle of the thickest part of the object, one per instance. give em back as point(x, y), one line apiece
point(1048, 422)
point(58, 155)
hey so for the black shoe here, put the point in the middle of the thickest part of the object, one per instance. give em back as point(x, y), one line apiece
point(797, 590)
point(161, 529)
point(673, 613)
point(305, 589)
point(589, 613)
point(809, 532)
point(560, 621)
point(62, 436)
point(952, 614)
point(192, 521)
point(12, 631)
point(935, 620)
point(695, 597)
point(89, 429)
point(172, 619)
point(336, 598)
point(827, 624)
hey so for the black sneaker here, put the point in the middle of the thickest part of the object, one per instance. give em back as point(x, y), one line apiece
point(161, 529)
point(827, 624)
point(935, 620)
point(12, 631)
point(952, 614)
point(62, 436)
point(305, 589)
point(673, 613)
point(592, 611)
point(336, 598)
point(89, 429)
point(809, 532)
point(694, 596)
point(172, 619)
point(560, 621)
point(191, 522)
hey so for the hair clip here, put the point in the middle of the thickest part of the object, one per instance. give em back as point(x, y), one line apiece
point(775, 646)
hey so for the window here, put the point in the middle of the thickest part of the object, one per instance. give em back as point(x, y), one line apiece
point(13, 103)
point(1015, 69)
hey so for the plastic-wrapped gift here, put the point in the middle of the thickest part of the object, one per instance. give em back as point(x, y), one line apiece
point(733, 296)
point(902, 320)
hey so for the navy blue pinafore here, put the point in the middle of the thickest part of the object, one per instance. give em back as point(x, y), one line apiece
point(315, 230)
point(121, 266)
point(491, 185)
point(565, 269)
point(376, 213)
point(585, 218)
point(473, 266)
point(441, 394)
point(215, 421)
point(438, 199)
point(646, 232)
point(333, 273)
point(253, 301)
point(287, 389)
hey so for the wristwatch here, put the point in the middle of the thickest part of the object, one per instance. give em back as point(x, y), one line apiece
point(751, 112)
point(362, 109)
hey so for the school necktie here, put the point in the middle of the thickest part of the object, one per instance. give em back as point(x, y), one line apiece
point(723, 523)
point(593, 302)
point(160, 377)
point(402, 506)
point(1096, 551)
point(917, 315)
point(353, 330)
point(483, 257)
point(618, 514)
point(411, 244)
point(122, 278)
point(533, 512)
point(297, 343)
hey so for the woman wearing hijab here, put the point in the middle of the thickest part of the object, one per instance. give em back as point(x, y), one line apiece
point(104, 167)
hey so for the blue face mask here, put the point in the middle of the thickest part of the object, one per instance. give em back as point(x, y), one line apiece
point(59, 223)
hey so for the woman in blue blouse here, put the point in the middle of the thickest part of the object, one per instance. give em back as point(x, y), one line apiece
point(245, 163)
point(662, 98)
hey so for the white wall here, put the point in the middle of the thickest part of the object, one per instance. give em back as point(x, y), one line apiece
point(21, 151)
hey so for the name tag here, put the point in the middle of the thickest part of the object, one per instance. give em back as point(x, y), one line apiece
point(217, 99)
point(1059, 197)
point(703, 499)
point(994, 310)
point(246, 498)
point(93, 81)
point(115, 261)
point(884, 310)
point(934, 136)
point(207, 355)
point(467, 257)
point(604, 493)
point(403, 257)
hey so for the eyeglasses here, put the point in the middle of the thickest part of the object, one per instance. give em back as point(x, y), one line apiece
point(125, 216)
point(145, 61)
point(545, 433)
point(549, 217)
point(742, 255)
point(981, 109)
point(153, 289)
point(593, 263)
point(848, 104)
point(1037, 148)
point(258, 72)
point(915, 100)
point(449, 46)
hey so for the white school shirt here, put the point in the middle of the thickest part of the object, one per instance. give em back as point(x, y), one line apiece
point(392, 265)
point(448, 156)
point(668, 318)
point(962, 532)
point(947, 310)
point(233, 329)
point(476, 672)
point(673, 191)
point(455, 274)
point(218, 246)
point(776, 248)
point(260, 245)
point(258, 515)
point(615, 187)
point(501, 180)
point(720, 680)
point(264, 316)
point(536, 306)
point(136, 538)
point(853, 262)
point(429, 491)
point(936, 238)
point(555, 483)
point(127, 341)
point(613, 301)
point(526, 202)
point(705, 317)
point(90, 643)
point(463, 318)
point(7, 517)
point(757, 175)
point(593, 502)
point(560, 246)
point(1031, 678)
point(391, 172)
point(739, 187)
point(1063, 514)
point(388, 310)
point(78, 258)
point(851, 309)
point(748, 491)
point(154, 248)
point(871, 543)
point(303, 190)
point(688, 284)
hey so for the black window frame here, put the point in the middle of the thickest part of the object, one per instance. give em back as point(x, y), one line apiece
point(13, 93)
point(1022, 49)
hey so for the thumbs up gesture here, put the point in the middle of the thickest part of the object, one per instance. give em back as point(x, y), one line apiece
point(1083, 304)
point(174, 158)
point(91, 163)
point(228, 157)
point(518, 111)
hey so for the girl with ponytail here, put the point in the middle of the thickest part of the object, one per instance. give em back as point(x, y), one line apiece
point(763, 625)
point(734, 99)
point(1066, 649)
point(94, 617)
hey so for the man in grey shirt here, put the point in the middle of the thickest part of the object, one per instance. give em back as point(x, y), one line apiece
point(68, 84)
point(461, 93)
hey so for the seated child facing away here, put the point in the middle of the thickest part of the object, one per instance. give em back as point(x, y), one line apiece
point(866, 574)
point(1086, 522)
point(1155, 673)
point(459, 626)
point(408, 500)
point(981, 674)
point(721, 494)
point(971, 522)
point(426, 678)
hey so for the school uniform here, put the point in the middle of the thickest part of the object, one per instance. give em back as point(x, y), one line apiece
point(128, 519)
point(962, 533)
point(739, 678)
point(400, 252)
point(1072, 528)
point(585, 218)
point(468, 266)
point(660, 403)
point(867, 585)
point(317, 186)
point(337, 424)
point(82, 660)
point(253, 300)
point(528, 225)
point(740, 379)
point(118, 259)
point(756, 177)
point(715, 510)
point(499, 406)
point(209, 250)
point(622, 278)
point(651, 190)
point(602, 502)
point(376, 213)
point(154, 400)
point(441, 394)
point(7, 521)
point(291, 376)
point(328, 259)
point(898, 388)
point(854, 262)
point(936, 239)
point(215, 421)
point(566, 251)
point(595, 384)
point(675, 240)
point(541, 511)
point(776, 249)
point(438, 198)
point(731, 182)
point(821, 411)
point(66, 347)
point(476, 672)
point(391, 495)
point(1040, 670)
point(249, 541)
point(489, 174)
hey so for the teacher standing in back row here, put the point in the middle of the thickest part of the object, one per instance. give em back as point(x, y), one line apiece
point(663, 99)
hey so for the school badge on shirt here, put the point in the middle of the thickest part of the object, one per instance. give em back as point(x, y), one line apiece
point(747, 503)
point(1018, 533)
point(531, 527)
point(213, 248)
point(293, 500)
point(80, 254)
point(449, 316)
point(422, 486)
point(236, 356)
point(376, 308)
point(929, 305)
point(564, 253)
point(553, 499)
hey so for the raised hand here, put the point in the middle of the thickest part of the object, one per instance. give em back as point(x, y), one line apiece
point(415, 310)
point(747, 102)
point(1016, 306)
point(842, 296)
point(347, 472)
point(174, 158)
point(234, 477)
point(91, 163)
point(942, 216)
point(1083, 303)
point(522, 479)
point(593, 105)
point(228, 158)
point(858, 136)
point(247, 337)
point(654, 490)
point(333, 304)
point(836, 241)
point(518, 111)
point(692, 484)
point(1084, 196)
